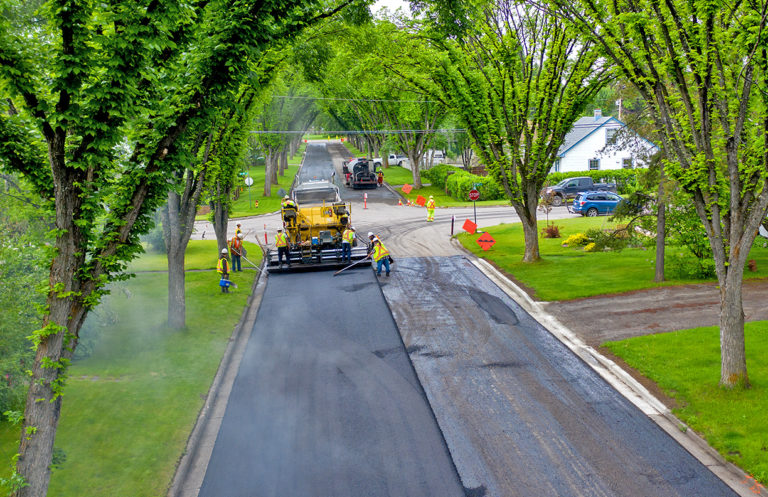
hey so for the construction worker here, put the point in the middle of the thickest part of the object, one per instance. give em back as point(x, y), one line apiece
point(380, 179)
point(281, 242)
point(372, 238)
point(380, 256)
point(236, 250)
point(431, 209)
point(347, 238)
point(288, 203)
point(238, 231)
point(223, 268)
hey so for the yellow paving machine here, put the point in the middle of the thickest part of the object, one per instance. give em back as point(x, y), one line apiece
point(313, 225)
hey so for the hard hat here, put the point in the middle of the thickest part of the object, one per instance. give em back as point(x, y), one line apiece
point(370, 234)
point(431, 196)
point(285, 198)
point(223, 251)
point(352, 228)
point(240, 236)
point(279, 229)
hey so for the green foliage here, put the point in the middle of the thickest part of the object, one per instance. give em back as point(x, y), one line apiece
point(24, 259)
point(459, 182)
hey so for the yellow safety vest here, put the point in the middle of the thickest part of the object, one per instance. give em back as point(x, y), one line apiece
point(431, 204)
point(379, 252)
point(288, 203)
point(223, 265)
point(280, 240)
point(348, 236)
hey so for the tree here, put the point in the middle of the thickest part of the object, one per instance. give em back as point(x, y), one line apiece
point(701, 67)
point(518, 79)
point(108, 89)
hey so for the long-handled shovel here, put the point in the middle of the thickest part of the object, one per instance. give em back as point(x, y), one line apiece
point(351, 265)
point(252, 264)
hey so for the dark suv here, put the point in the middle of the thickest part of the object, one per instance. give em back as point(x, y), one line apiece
point(593, 203)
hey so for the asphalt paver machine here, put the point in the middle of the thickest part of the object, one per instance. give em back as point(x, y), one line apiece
point(313, 228)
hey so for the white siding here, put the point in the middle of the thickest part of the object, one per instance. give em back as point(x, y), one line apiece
point(577, 158)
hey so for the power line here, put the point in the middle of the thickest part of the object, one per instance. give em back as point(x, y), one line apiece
point(360, 132)
point(353, 99)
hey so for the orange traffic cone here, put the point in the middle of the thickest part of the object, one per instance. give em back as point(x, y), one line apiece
point(399, 201)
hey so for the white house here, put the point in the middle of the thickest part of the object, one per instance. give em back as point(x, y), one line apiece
point(583, 148)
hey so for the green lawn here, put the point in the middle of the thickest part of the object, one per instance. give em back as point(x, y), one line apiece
point(129, 408)
point(201, 254)
point(566, 273)
point(686, 365)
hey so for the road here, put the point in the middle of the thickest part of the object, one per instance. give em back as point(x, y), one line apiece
point(431, 382)
point(326, 402)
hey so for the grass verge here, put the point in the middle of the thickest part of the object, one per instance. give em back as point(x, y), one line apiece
point(686, 365)
point(129, 407)
point(566, 273)
point(200, 254)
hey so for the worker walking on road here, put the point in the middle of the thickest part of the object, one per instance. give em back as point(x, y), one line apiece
point(238, 230)
point(223, 268)
point(281, 242)
point(347, 238)
point(381, 256)
point(236, 250)
point(380, 179)
point(431, 209)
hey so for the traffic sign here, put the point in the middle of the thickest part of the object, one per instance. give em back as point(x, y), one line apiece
point(421, 201)
point(486, 241)
point(474, 195)
point(407, 188)
point(248, 181)
point(470, 227)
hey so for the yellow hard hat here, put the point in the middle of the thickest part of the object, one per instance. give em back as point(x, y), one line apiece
point(431, 196)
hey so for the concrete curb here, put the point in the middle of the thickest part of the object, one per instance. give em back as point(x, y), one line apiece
point(631, 389)
point(193, 464)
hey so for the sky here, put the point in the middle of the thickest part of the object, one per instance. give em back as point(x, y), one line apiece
point(392, 5)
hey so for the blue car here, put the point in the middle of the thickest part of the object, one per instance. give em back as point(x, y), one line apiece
point(593, 203)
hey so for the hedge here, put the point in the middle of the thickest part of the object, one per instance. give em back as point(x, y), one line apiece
point(458, 182)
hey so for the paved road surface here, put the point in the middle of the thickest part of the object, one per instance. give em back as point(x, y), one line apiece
point(522, 415)
point(326, 402)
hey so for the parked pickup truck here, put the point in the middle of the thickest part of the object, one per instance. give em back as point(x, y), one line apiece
point(392, 160)
point(569, 187)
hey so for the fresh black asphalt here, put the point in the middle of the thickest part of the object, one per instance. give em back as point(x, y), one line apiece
point(522, 415)
point(326, 402)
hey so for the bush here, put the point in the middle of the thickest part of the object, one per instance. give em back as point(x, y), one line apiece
point(683, 264)
point(439, 174)
point(590, 247)
point(550, 231)
point(459, 184)
point(576, 240)
point(608, 239)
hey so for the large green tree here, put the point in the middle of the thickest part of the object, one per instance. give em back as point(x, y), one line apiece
point(518, 79)
point(108, 89)
point(702, 66)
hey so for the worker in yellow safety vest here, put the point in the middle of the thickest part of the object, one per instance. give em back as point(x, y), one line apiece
point(281, 242)
point(287, 202)
point(223, 268)
point(381, 256)
point(431, 209)
point(347, 239)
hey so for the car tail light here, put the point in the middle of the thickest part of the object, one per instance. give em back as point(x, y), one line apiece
point(582, 202)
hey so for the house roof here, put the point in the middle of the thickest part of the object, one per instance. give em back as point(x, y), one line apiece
point(582, 129)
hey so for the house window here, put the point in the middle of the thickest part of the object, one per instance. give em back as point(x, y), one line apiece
point(556, 166)
point(594, 164)
point(609, 134)
point(626, 163)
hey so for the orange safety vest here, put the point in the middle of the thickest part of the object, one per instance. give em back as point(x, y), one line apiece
point(280, 240)
point(223, 265)
point(431, 204)
point(348, 236)
point(236, 245)
point(380, 252)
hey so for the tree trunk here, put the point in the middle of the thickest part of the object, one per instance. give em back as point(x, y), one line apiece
point(221, 220)
point(733, 362)
point(415, 170)
point(527, 214)
point(177, 297)
point(283, 161)
point(661, 227)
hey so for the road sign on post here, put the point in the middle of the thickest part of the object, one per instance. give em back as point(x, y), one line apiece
point(474, 195)
point(248, 182)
